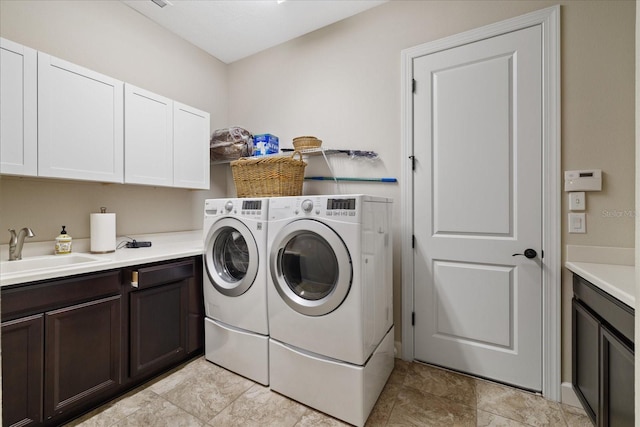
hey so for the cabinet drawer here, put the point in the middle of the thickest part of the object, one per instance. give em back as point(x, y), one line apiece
point(615, 313)
point(40, 297)
point(164, 273)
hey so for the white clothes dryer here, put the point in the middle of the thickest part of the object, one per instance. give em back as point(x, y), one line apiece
point(330, 301)
point(235, 286)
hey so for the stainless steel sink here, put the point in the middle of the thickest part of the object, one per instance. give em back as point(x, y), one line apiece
point(47, 262)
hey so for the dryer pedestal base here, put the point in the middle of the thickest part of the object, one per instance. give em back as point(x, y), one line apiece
point(237, 350)
point(342, 390)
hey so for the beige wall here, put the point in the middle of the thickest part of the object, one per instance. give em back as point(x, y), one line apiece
point(598, 126)
point(113, 39)
point(342, 84)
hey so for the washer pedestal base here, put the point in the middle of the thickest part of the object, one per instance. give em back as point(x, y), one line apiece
point(339, 389)
point(237, 350)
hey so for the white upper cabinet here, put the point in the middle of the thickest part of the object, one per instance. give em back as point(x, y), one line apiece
point(18, 109)
point(148, 136)
point(166, 142)
point(60, 120)
point(80, 122)
point(190, 147)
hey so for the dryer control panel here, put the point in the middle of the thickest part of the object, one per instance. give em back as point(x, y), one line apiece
point(345, 208)
point(341, 207)
point(341, 204)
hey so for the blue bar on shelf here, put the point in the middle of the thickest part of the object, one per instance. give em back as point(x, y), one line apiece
point(342, 178)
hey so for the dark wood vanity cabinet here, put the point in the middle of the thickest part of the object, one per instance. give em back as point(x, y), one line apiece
point(60, 346)
point(158, 306)
point(603, 355)
point(82, 354)
point(22, 373)
point(69, 345)
point(617, 378)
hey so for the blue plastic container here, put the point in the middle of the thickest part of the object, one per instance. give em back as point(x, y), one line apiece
point(265, 144)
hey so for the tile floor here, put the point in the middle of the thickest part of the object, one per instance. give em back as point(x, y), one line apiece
point(200, 393)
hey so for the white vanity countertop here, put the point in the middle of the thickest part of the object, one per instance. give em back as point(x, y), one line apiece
point(618, 281)
point(164, 246)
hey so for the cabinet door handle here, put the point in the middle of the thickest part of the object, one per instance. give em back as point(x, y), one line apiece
point(134, 279)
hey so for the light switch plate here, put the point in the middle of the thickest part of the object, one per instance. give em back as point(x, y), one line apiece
point(577, 223)
point(577, 201)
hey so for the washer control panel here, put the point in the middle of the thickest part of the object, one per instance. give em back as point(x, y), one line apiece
point(307, 205)
point(235, 207)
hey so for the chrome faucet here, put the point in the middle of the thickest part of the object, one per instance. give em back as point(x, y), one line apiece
point(16, 242)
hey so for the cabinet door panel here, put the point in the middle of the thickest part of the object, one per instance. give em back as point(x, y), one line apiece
point(148, 125)
point(158, 326)
point(82, 358)
point(586, 335)
point(22, 353)
point(18, 109)
point(190, 147)
point(617, 375)
point(196, 311)
point(80, 122)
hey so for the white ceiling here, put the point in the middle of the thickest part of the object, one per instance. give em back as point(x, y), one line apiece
point(234, 29)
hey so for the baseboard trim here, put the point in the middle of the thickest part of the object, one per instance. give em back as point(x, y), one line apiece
point(569, 396)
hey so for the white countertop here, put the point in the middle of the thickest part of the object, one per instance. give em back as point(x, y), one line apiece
point(165, 246)
point(618, 281)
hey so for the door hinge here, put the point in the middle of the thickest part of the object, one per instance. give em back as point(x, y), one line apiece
point(413, 241)
point(413, 85)
point(542, 254)
point(413, 162)
point(413, 318)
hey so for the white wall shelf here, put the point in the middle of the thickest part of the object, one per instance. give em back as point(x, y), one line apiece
point(312, 152)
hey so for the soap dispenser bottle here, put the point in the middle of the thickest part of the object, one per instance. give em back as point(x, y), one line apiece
point(63, 243)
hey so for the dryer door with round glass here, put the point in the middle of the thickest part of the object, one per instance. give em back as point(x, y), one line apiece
point(231, 257)
point(310, 267)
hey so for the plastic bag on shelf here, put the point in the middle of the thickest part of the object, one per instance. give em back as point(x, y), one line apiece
point(230, 144)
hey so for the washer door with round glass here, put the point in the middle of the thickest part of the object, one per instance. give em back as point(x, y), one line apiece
point(231, 257)
point(310, 267)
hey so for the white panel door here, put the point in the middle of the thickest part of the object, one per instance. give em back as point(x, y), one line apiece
point(80, 122)
point(18, 109)
point(190, 147)
point(148, 137)
point(478, 182)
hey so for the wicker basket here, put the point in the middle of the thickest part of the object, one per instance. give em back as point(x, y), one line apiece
point(269, 176)
point(306, 142)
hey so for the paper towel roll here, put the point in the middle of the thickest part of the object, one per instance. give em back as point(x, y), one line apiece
point(103, 232)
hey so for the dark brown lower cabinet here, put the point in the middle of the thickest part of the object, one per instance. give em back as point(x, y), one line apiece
point(60, 347)
point(158, 326)
point(195, 316)
point(69, 345)
point(22, 358)
point(586, 349)
point(617, 377)
point(82, 356)
point(603, 355)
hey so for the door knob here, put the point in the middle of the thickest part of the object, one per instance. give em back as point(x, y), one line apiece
point(529, 253)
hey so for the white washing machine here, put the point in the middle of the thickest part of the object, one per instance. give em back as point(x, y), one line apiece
point(235, 286)
point(330, 301)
